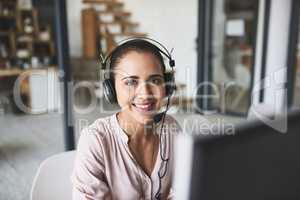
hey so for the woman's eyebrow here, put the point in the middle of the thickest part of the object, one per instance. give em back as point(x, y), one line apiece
point(136, 77)
point(156, 75)
point(133, 77)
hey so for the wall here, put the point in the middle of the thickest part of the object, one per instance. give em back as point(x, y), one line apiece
point(276, 58)
point(172, 22)
point(276, 70)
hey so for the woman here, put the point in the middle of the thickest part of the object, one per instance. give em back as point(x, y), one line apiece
point(129, 155)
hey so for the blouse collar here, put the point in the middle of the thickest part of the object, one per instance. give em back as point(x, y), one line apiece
point(120, 131)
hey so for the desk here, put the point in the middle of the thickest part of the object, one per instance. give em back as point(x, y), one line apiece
point(17, 72)
point(10, 72)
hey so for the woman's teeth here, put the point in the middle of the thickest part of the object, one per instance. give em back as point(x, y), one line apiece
point(145, 107)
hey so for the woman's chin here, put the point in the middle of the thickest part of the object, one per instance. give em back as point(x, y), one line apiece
point(144, 116)
point(144, 119)
point(141, 116)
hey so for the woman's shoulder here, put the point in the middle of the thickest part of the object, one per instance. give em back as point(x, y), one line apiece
point(100, 127)
point(94, 136)
point(172, 124)
point(170, 119)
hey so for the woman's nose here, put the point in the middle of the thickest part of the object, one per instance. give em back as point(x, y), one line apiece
point(144, 89)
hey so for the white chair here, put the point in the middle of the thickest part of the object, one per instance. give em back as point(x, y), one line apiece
point(52, 180)
point(261, 109)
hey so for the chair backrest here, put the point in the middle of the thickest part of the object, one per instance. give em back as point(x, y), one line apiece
point(262, 109)
point(53, 179)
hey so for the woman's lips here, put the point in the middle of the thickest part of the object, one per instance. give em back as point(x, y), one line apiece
point(145, 107)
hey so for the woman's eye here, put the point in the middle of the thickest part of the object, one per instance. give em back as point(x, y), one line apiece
point(131, 82)
point(157, 81)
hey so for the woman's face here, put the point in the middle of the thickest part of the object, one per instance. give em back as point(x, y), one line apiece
point(140, 87)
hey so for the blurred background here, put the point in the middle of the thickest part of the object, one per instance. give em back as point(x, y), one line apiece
point(230, 56)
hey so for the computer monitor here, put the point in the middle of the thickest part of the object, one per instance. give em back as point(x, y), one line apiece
point(257, 162)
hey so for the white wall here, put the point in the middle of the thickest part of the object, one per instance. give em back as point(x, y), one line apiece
point(172, 22)
point(276, 58)
point(275, 96)
point(277, 52)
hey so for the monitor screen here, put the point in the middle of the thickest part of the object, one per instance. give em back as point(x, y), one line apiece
point(257, 162)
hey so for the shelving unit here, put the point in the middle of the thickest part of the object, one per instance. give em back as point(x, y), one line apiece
point(7, 23)
point(26, 45)
point(23, 37)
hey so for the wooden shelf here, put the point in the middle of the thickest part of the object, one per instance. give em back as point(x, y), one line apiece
point(17, 72)
point(122, 23)
point(107, 2)
point(10, 72)
point(124, 34)
point(115, 13)
point(7, 17)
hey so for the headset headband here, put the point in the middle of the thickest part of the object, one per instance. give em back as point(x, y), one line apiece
point(165, 52)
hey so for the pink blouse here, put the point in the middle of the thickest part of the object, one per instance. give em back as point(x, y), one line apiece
point(106, 169)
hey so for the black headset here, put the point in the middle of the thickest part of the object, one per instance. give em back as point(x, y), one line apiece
point(108, 83)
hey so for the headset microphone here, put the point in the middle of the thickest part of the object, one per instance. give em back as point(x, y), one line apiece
point(158, 117)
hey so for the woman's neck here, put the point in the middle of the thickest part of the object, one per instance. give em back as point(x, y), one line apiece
point(135, 129)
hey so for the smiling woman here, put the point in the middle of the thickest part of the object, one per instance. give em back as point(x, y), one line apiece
point(129, 155)
point(142, 92)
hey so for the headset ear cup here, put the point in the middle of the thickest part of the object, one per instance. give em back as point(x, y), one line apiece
point(170, 84)
point(109, 91)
